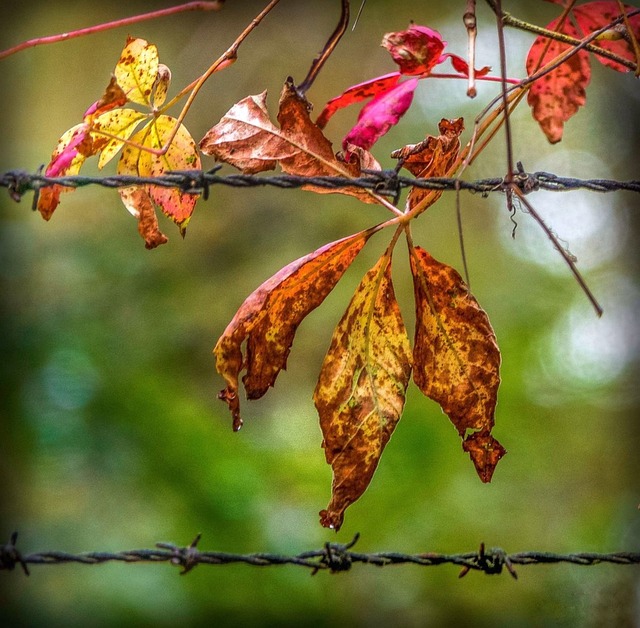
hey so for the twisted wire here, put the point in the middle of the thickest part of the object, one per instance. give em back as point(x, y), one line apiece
point(383, 182)
point(334, 557)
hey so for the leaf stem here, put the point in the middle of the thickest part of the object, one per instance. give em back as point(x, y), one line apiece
point(470, 22)
point(215, 5)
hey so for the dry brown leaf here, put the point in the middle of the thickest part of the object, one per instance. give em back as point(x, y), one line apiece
point(248, 140)
point(456, 357)
point(361, 389)
point(270, 315)
point(432, 157)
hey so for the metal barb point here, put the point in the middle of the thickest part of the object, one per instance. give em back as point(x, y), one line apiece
point(336, 556)
point(10, 556)
point(185, 557)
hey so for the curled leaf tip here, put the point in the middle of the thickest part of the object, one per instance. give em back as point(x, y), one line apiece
point(230, 397)
point(331, 519)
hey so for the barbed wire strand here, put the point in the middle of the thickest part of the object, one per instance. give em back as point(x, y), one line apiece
point(383, 182)
point(334, 557)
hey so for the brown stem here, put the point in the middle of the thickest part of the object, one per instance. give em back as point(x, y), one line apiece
point(325, 53)
point(216, 5)
point(632, 37)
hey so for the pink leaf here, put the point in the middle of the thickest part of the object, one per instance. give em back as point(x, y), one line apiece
point(357, 93)
point(378, 116)
point(416, 50)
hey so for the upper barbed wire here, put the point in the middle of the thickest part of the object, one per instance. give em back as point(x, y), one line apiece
point(383, 182)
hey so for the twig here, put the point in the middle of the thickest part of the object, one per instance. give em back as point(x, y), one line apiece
point(329, 47)
point(216, 5)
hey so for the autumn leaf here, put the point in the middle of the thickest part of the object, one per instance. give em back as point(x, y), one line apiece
point(456, 357)
point(269, 317)
point(248, 140)
point(557, 96)
point(416, 51)
point(160, 146)
point(379, 115)
point(182, 154)
point(431, 158)
point(137, 70)
point(592, 16)
point(66, 159)
point(361, 389)
point(358, 93)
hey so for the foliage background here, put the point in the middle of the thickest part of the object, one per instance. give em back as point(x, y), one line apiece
point(111, 436)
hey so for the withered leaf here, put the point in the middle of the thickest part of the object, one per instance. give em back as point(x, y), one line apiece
point(361, 389)
point(456, 357)
point(270, 315)
point(248, 140)
point(432, 157)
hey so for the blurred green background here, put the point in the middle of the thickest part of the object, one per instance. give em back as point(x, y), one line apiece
point(111, 436)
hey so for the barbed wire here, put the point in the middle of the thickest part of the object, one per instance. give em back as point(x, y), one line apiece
point(333, 557)
point(383, 182)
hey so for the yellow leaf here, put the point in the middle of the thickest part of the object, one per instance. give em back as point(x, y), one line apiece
point(137, 69)
point(181, 155)
point(119, 122)
point(361, 389)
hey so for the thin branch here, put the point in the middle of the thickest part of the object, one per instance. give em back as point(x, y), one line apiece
point(216, 5)
point(329, 47)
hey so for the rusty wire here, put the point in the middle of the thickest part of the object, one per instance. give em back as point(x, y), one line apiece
point(333, 557)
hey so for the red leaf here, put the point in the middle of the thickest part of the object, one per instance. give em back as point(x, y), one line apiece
point(357, 93)
point(378, 116)
point(593, 16)
point(416, 50)
point(460, 65)
point(557, 95)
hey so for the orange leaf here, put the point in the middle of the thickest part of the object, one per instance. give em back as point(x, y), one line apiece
point(361, 389)
point(432, 157)
point(248, 140)
point(269, 317)
point(557, 95)
point(456, 357)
